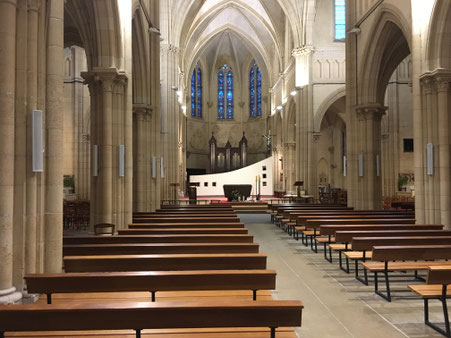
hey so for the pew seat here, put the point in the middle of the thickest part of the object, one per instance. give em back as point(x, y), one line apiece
point(149, 315)
point(151, 281)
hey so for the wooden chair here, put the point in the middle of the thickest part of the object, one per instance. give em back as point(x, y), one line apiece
point(98, 227)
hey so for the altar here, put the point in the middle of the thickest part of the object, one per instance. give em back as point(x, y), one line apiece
point(243, 191)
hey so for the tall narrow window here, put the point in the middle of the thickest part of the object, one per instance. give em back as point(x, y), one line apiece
point(255, 91)
point(221, 95)
point(225, 93)
point(340, 20)
point(196, 92)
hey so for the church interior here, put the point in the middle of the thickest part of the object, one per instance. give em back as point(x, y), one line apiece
point(226, 168)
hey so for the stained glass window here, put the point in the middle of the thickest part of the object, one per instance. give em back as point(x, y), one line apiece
point(199, 92)
point(255, 91)
point(196, 92)
point(225, 93)
point(340, 20)
point(252, 92)
point(221, 95)
point(229, 94)
point(193, 93)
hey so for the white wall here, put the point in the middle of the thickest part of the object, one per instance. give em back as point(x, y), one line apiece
point(244, 175)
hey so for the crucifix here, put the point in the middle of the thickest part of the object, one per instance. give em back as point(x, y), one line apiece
point(268, 138)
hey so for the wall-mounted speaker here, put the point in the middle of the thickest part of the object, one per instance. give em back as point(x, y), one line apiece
point(95, 160)
point(430, 158)
point(161, 168)
point(378, 166)
point(345, 166)
point(154, 167)
point(37, 144)
point(361, 165)
point(121, 160)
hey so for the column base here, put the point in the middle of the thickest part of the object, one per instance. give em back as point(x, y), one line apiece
point(10, 296)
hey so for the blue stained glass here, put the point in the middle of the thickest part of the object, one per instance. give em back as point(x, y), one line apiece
point(193, 93)
point(221, 95)
point(252, 92)
point(229, 94)
point(199, 92)
point(259, 92)
point(340, 20)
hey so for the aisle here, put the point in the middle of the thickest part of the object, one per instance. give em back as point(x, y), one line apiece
point(336, 305)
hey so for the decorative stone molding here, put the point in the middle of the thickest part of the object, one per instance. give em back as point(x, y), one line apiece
point(304, 50)
point(442, 84)
point(316, 137)
point(142, 111)
point(437, 79)
point(34, 5)
point(169, 49)
point(372, 111)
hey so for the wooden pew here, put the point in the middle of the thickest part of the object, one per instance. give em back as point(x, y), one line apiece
point(201, 238)
point(316, 223)
point(329, 230)
point(186, 215)
point(151, 281)
point(184, 225)
point(182, 231)
point(251, 261)
point(436, 287)
point(194, 206)
point(361, 246)
point(149, 315)
point(344, 238)
point(404, 258)
point(158, 248)
point(174, 219)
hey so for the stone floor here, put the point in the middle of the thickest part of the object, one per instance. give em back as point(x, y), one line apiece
point(337, 305)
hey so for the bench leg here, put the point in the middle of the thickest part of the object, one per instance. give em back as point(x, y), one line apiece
point(365, 274)
point(387, 285)
point(49, 298)
point(138, 333)
point(447, 331)
point(273, 332)
point(254, 294)
point(153, 295)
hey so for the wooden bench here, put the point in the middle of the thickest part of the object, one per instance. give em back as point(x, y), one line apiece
point(233, 219)
point(198, 238)
point(436, 287)
point(187, 214)
point(185, 225)
point(404, 258)
point(151, 281)
point(329, 230)
point(316, 223)
point(157, 248)
point(150, 315)
point(361, 246)
point(164, 262)
point(183, 231)
point(343, 240)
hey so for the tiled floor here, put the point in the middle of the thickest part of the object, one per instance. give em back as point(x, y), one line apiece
point(336, 305)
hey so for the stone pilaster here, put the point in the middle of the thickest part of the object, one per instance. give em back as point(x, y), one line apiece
point(54, 145)
point(7, 108)
point(367, 150)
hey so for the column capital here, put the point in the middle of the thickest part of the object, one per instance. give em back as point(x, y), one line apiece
point(442, 84)
point(437, 79)
point(370, 111)
point(303, 50)
point(169, 48)
point(142, 111)
point(108, 78)
point(316, 137)
point(34, 5)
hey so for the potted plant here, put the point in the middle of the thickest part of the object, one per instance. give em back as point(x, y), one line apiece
point(402, 182)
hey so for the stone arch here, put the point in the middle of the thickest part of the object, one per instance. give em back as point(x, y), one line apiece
point(388, 44)
point(98, 24)
point(325, 105)
point(439, 39)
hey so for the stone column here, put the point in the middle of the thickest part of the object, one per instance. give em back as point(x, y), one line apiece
point(140, 194)
point(289, 169)
point(54, 146)
point(369, 130)
point(7, 107)
point(443, 107)
point(32, 94)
